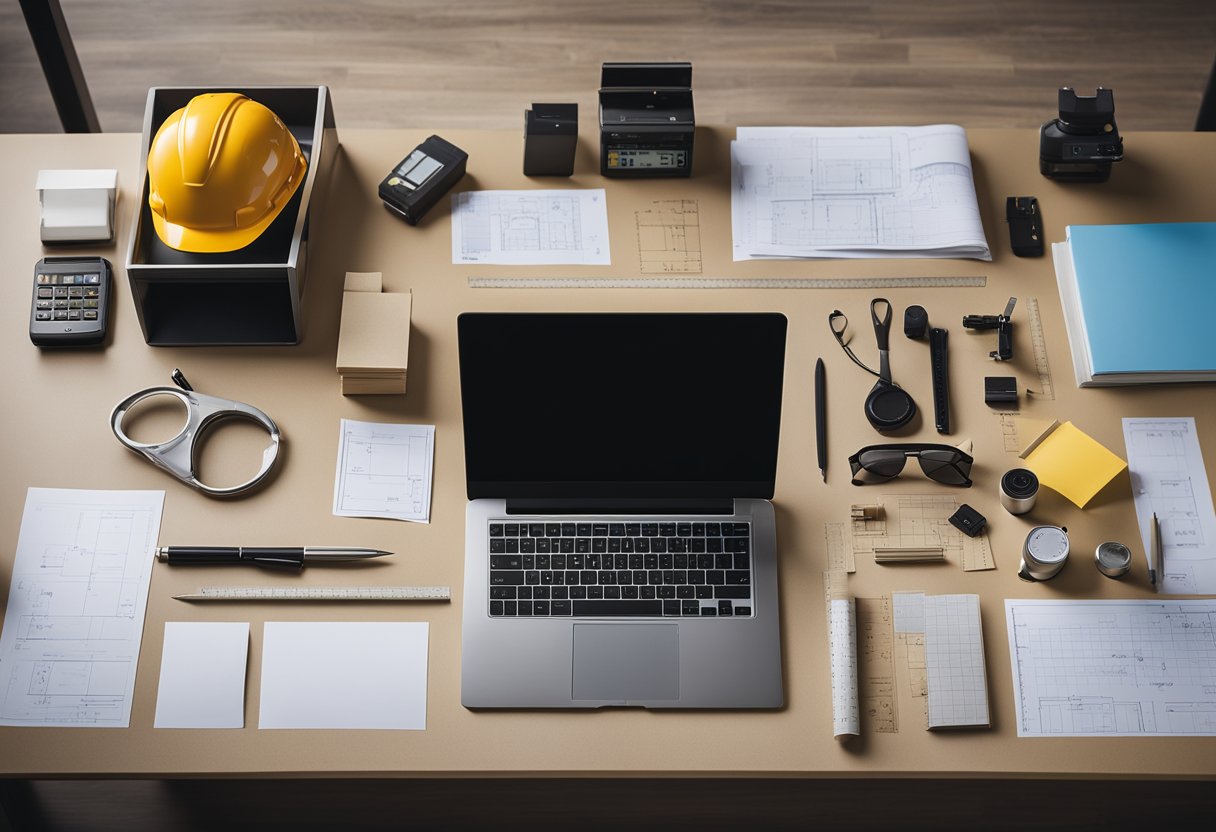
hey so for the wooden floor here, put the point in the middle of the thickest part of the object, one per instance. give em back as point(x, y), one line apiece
point(479, 63)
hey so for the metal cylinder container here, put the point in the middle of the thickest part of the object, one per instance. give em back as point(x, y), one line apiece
point(1044, 553)
point(1113, 559)
point(1019, 488)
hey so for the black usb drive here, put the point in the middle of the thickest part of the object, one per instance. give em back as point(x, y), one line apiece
point(1025, 226)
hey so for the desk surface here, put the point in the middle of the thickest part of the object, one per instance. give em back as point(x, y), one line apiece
point(1167, 177)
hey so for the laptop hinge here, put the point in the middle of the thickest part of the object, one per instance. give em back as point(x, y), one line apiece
point(621, 505)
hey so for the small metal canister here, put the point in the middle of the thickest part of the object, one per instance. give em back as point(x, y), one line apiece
point(1113, 559)
point(1044, 553)
point(1019, 488)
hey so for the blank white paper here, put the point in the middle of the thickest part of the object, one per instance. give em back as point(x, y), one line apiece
point(202, 675)
point(348, 674)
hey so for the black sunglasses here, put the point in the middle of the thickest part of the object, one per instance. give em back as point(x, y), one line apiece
point(942, 463)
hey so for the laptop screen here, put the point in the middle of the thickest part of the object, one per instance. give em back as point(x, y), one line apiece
point(621, 405)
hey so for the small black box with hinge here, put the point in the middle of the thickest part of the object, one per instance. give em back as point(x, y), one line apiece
point(419, 181)
point(550, 139)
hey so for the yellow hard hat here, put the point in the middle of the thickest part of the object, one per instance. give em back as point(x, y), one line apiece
point(220, 170)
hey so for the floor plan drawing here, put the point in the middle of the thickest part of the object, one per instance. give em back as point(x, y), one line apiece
point(920, 521)
point(530, 227)
point(75, 615)
point(1169, 479)
point(1113, 668)
point(853, 192)
point(669, 237)
point(384, 470)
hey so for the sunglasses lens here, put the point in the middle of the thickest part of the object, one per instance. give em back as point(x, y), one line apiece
point(948, 467)
point(878, 466)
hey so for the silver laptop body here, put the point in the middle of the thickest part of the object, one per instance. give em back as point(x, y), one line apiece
point(693, 659)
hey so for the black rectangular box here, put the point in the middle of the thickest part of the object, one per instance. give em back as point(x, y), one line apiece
point(550, 139)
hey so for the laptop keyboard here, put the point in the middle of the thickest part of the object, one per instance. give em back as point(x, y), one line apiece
point(595, 569)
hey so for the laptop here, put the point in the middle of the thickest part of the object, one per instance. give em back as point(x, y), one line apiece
point(620, 542)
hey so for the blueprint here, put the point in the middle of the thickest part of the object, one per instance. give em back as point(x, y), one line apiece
point(669, 237)
point(531, 228)
point(76, 605)
point(1169, 479)
point(1113, 668)
point(920, 521)
point(854, 192)
point(384, 470)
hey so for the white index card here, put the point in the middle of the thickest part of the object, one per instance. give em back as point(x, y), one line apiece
point(202, 675)
point(346, 674)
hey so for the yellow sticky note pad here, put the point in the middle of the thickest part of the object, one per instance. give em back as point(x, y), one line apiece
point(1072, 462)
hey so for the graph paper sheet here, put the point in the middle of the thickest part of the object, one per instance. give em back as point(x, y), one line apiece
point(1113, 668)
point(954, 657)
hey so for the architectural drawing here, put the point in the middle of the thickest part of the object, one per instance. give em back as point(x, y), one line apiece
point(1169, 479)
point(1113, 668)
point(75, 615)
point(384, 470)
point(853, 192)
point(669, 237)
point(530, 227)
point(917, 521)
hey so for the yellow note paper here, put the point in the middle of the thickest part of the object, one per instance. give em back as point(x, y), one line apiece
point(1072, 462)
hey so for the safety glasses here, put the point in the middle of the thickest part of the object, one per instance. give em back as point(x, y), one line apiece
point(941, 463)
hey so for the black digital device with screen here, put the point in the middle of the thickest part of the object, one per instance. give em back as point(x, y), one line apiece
point(419, 180)
point(621, 405)
point(646, 119)
point(70, 304)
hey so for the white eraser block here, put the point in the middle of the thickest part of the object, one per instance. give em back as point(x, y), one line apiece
point(77, 205)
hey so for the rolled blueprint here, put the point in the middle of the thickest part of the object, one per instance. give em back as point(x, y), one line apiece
point(842, 643)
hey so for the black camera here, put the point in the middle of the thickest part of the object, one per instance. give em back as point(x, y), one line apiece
point(1080, 145)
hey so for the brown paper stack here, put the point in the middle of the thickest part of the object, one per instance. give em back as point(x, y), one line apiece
point(374, 339)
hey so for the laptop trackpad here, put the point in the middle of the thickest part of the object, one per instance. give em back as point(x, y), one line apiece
point(626, 661)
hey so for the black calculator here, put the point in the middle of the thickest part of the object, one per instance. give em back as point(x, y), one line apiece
point(70, 303)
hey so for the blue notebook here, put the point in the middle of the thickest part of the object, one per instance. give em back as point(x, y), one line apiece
point(1147, 299)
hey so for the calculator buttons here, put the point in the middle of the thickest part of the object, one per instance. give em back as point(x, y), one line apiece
point(90, 314)
point(42, 316)
point(46, 292)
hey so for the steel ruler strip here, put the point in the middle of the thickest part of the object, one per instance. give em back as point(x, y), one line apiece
point(319, 593)
point(964, 281)
point(1038, 340)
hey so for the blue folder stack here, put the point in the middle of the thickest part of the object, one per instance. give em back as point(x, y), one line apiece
point(1139, 302)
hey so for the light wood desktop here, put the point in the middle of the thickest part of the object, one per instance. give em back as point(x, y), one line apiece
point(55, 433)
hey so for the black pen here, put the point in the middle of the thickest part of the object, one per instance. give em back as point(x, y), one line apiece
point(286, 557)
point(821, 420)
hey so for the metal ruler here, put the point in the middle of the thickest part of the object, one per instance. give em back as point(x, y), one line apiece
point(319, 593)
point(840, 551)
point(1046, 388)
point(966, 281)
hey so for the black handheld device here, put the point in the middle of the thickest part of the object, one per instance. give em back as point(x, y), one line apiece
point(1025, 226)
point(71, 301)
point(414, 186)
point(1003, 326)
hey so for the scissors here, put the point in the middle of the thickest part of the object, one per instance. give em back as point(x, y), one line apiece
point(178, 455)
